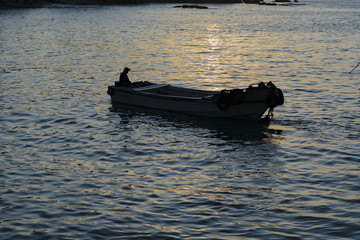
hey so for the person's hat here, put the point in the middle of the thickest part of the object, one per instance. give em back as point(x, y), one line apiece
point(127, 69)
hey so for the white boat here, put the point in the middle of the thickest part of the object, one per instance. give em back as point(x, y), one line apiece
point(250, 103)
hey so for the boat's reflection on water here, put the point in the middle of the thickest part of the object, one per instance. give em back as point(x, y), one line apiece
point(225, 129)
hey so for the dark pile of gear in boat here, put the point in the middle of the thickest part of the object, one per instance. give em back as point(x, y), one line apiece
point(237, 96)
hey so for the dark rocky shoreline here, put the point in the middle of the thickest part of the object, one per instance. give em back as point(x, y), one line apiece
point(40, 3)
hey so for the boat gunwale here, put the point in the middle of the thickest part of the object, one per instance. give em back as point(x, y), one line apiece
point(208, 98)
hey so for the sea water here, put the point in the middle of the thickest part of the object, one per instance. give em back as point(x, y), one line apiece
point(75, 167)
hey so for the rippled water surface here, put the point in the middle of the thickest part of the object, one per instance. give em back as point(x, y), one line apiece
point(75, 167)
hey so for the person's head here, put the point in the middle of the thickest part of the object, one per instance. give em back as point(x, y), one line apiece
point(127, 69)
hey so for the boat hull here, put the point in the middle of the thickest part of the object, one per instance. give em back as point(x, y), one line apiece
point(254, 102)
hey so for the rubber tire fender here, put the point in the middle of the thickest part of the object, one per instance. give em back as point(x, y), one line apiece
point(236, 97)
point(223, 102)
point(275, 99)
point(280, 96)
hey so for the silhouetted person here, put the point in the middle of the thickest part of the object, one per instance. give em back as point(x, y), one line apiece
point(124, 79)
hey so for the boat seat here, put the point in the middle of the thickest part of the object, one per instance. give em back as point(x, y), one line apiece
point(151, 87)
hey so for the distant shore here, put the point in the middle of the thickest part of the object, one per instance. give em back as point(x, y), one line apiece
point(40, 3)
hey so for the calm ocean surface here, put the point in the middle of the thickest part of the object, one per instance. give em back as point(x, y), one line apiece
point(72, 166)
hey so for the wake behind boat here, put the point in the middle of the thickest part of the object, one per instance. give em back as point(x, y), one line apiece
point(250, 103)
